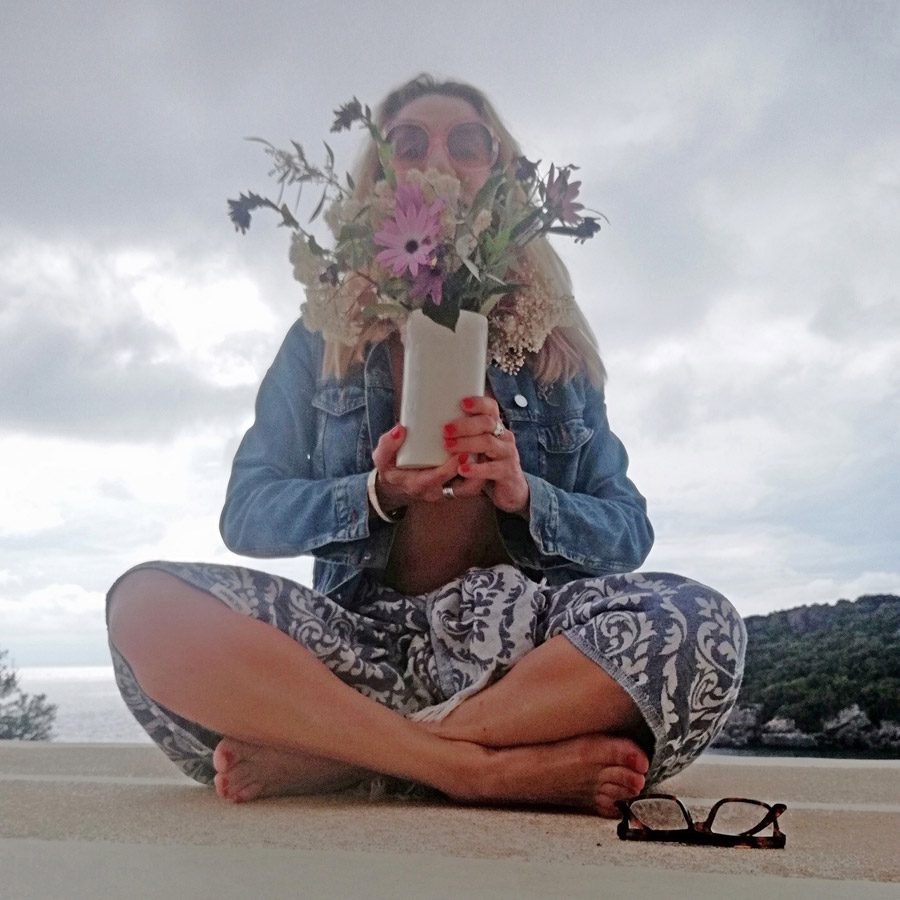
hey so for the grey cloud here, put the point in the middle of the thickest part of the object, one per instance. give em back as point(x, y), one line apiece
point(698, 127)
point(104, 384)
point(127, 117)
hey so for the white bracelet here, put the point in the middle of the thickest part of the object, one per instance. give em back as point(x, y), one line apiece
point(393, 518)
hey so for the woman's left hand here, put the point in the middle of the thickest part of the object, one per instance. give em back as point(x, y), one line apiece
point(492, 460)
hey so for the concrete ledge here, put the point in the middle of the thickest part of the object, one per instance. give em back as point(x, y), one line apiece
point(97, 820)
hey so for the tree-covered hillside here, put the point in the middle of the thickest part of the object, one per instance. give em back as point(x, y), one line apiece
point(811, 663)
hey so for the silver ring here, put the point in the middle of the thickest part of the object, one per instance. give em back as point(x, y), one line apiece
point(447, 491)
point(498, 429)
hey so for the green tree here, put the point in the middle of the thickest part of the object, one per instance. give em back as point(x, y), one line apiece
point(810, 663)
point(22, 717)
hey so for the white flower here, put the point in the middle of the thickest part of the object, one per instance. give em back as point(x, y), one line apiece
point(519, 325)
point(342, 212)
point(307, 266)
point(434, 184)
point(465, 245)
point(482, 221)
point(334, 310)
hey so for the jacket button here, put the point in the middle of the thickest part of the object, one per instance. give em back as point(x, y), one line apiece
point(520, 400)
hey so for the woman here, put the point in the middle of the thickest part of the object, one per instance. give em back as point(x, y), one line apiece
point(472, 626)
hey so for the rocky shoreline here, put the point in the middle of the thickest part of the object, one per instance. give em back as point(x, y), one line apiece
point(850, 729)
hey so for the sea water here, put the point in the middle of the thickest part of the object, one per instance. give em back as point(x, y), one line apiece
point(89, 706)
point(91, 710)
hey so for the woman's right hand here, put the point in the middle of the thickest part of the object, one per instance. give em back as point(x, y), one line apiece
point(399, 487)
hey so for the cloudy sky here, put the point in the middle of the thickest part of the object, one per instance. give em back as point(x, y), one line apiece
point(745, 296)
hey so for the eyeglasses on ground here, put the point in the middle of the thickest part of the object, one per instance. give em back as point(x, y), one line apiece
point(732, 822)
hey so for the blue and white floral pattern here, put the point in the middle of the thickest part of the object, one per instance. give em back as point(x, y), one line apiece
point(675, 646)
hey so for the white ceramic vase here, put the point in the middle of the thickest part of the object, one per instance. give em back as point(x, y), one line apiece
point(440, 367)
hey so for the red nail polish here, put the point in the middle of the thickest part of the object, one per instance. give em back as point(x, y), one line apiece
point(464, 468)
point(449, 442)
point(395, 432)
point(449, 430)
point(468, 403)
point(463, 458)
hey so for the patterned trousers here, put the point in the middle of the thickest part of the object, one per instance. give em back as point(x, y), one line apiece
point(675, 646)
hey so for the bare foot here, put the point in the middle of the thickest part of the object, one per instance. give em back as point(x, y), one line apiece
point(251, 771)
point(590, 772)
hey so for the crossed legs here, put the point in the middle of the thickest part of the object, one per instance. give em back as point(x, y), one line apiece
point(555, 730)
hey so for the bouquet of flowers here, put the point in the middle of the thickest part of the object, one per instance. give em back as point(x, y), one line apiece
point(420, 245)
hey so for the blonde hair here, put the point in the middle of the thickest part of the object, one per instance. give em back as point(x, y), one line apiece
point(568, 349)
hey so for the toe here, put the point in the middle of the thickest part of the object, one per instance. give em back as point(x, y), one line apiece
point(605, 805)
point(248, 791)
point(637, 760)
point(630, 755)
point(625, 778)
point(223, 756)
point(222, 785)
point(618, 784)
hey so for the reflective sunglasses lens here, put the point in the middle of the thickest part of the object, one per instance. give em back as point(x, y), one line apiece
point(659, 814)
point(736, 817)
point(410, 142)
point(471, 143)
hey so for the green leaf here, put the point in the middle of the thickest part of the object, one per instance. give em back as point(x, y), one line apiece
point(381, 309)
point(484, 199)
point(495, 245)
point(384, 157)
point(350, 182)
point(447, 314)
point(353, 231)
point(502, 241)
point(525, 224)
point(319, 205)
point(259, 140)
point(330, 153)
point(288, 217)
point(314, 246)
point(471, 267)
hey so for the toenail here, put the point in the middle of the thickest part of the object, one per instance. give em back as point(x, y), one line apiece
point(229, 757)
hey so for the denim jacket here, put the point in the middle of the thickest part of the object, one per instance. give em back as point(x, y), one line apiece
point(298, 482)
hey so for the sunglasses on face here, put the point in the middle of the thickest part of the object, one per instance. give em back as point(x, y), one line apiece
point(468, 144)
point(732, 822)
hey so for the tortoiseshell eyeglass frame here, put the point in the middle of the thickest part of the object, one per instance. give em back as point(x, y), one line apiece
point(631, 828)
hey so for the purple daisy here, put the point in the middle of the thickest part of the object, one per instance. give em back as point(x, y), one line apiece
point(561, 196)
point(409, 236)
point(429, 281)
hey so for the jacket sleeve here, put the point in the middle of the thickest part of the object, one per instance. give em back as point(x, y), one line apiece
point(274, 506)
point(599, 528)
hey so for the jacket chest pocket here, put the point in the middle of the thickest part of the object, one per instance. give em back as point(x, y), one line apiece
point(342, 447)
point(559, 451)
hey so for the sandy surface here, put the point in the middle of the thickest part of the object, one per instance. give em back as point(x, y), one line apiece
point(92, 808)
